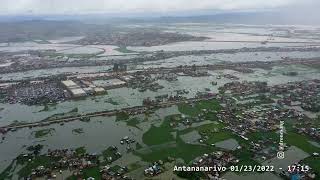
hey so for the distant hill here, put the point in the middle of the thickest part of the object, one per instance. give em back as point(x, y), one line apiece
point(269, 17)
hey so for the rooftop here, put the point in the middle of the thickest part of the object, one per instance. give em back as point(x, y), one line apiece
point(69, 83)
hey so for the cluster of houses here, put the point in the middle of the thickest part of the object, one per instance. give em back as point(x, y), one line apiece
point(215, 159)
point(313, 132)
point(73, 161)
point(154, 169)
point(34, 92)
point(267, 115)
point(144, 82)
point(245, 87)
point(61, 160)
point(304, 94)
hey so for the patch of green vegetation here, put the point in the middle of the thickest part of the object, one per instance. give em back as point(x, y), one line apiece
point(180, 149)
point(28, 166)
point(35, 149)
point(244, 154)
point(290, 73)
point(74, 110)
point(272, 135)
point(162, 134)
point(190, 175)
point(220, 136)
point(138, 146)
point(47, 107)
point(194, 110)
point(43, 132)
point(111, 101)
point(122, 116)
point(6, 174)
point(157, 135)
point(301, 142)
point(115, 168)
point(134, 166)
point(245, 157)
point(72, 178)
point(163, 144)
point(211, 133)
point(77, 131)
point(92, 172)
point(133, 122)
point(81, 151)
point(314, 163)
point(110, 153)
point(123, 49)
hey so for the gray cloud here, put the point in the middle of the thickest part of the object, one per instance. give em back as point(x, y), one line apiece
point(131, 6)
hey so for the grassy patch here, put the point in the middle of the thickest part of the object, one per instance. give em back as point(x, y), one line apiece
point(122, 116)
point(301, 142)
point(48, 107)
point(263, 136)
point(43, 132)
point(162, 134)
point(244, 155)
point(110, 153)
point(133, 122)
point(92, 172)
point(213, 131)
point(180, 149)
point(195, 109)
point(77, 131)
point(81, 151)
point(314, 163)
point(220, 136)
point(111, 101)
point(115, 168)
point(164, 145)
point(7, 173)
point(138, 146)
point(157, 135)
point(36, 162)
point(134, 166)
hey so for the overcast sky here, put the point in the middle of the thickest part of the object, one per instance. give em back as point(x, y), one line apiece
point(141, 6)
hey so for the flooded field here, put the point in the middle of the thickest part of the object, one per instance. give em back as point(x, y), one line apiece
point(220, 57)
point(60, 47)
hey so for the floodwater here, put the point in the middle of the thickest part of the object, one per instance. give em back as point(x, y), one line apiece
point(248, 36)
point(209, 45)
point(222, 57)
point(104, 50)
point(98, 135)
